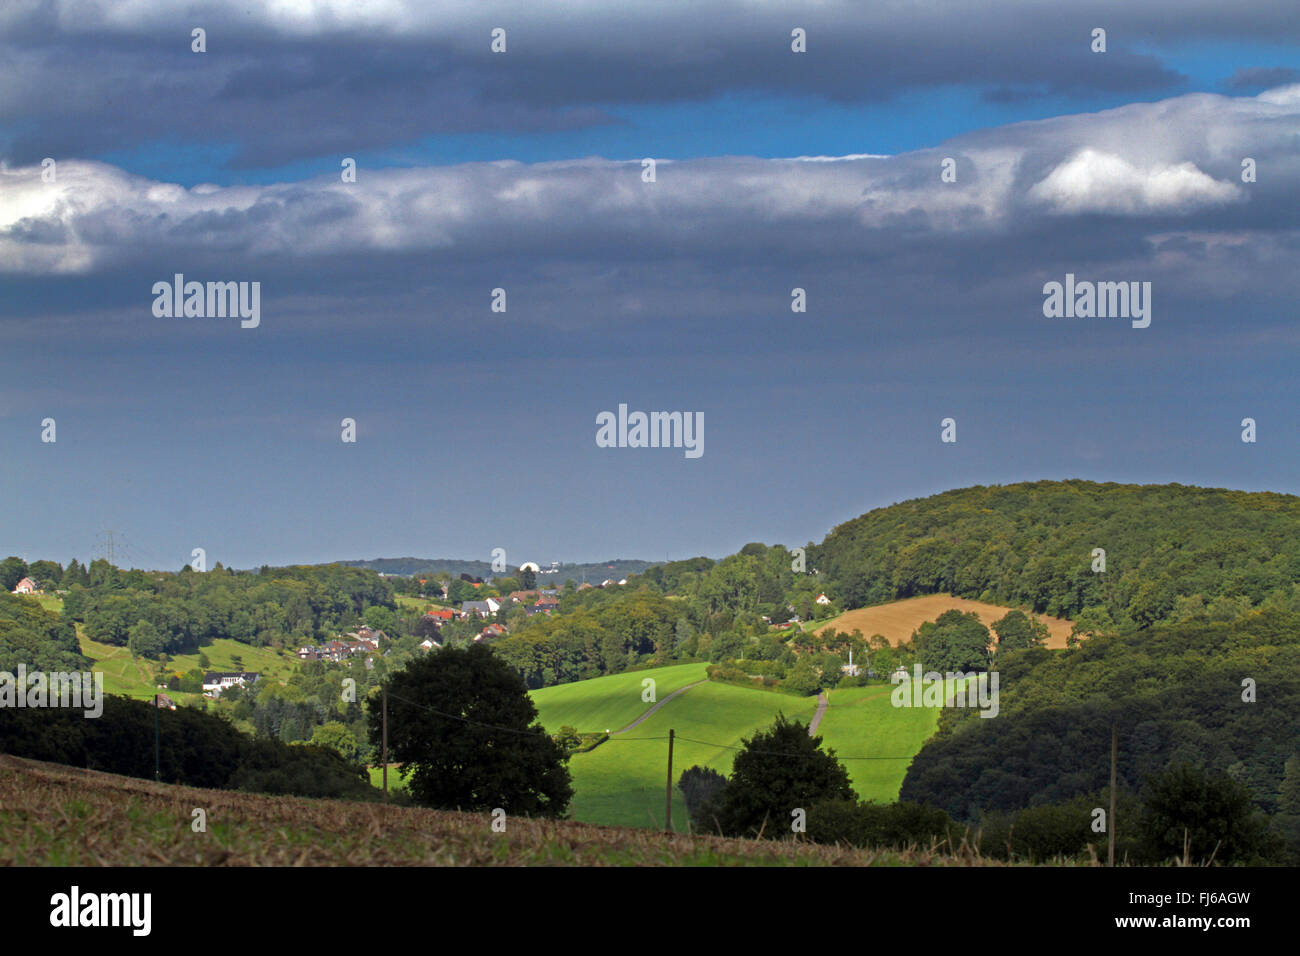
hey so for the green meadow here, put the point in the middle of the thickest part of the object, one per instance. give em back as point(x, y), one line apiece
point(862, 722)
point(133, 676)
point(609, 703)
point(622, 782)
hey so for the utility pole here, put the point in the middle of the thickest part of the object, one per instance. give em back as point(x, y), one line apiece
point(668, 811)
point(384, 687)
point(157, 763)
point(1114, 753)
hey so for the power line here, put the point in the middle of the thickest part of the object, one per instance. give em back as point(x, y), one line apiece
point(706, 743)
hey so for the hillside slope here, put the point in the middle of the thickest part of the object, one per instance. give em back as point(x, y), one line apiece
point(1169, 549)
point(60, 816)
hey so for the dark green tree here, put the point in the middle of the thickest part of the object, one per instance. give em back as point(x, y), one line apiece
point(954, 642)
point(1015, 632)
point(1209, 813)
point(463, 724)
point(777, 771)
point(699, 785)
point(12, 570)
point(47, 573)
point(145, 640)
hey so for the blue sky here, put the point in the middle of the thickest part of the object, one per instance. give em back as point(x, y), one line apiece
point(476, 429)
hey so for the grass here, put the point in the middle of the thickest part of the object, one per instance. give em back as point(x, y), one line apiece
point(395, 779)
point(51, 602)
point(123, 674)
point(862, 722)
point(272, 664)
point(622, 782)
point(61, 816)
point(611, 702)
point(132, 676)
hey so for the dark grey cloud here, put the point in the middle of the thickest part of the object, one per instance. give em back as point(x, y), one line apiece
point(287, 82)
point(1256, 78)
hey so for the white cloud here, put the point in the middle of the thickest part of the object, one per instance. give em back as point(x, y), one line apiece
point(1142, 160)
point(1094, 181)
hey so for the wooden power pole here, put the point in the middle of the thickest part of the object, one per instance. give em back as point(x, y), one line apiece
point(668, 803)
point(157, 763)
point(1110, 823)
point(384, 754)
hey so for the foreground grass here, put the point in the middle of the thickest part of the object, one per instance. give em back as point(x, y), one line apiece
point(53, 815)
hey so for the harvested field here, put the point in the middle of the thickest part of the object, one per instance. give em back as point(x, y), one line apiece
point(53, 815)
point(898, 619)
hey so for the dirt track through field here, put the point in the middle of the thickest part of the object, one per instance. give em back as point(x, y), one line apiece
point(650, 712)
point(822, 703)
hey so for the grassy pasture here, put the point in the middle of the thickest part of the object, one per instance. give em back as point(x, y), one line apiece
point(610, 702)
point(622, 781)
point(862, 722)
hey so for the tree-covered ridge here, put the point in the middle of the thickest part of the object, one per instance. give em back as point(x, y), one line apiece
point(157, 612)
point(696, 609)
point(1175, 692)
point(1171, 551)
point(40, 639)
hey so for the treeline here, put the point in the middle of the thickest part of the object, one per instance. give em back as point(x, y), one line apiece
point(40, 639)
point(155, 613)
point(1225, 696)
point(1172, 552)
point(195, 749)
point(697, 609)
point(320, 703)
point(782, 782)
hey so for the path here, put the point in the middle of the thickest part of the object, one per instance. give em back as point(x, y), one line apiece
point(822, 703)
point(648, 713)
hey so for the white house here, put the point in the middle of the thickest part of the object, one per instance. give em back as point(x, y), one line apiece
point(214, 682)
point(822, 599)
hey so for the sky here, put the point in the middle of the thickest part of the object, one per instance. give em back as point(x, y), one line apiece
point(922, 171)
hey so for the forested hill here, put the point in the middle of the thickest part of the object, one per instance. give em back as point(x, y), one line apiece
point(1172, 552)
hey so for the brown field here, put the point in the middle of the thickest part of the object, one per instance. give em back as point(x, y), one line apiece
point(52, 815)
point(897, 620)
